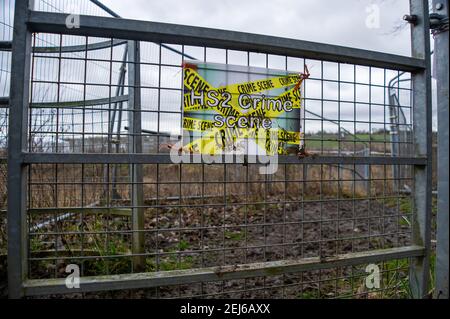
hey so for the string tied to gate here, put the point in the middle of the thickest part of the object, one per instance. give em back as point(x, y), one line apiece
point(303, 76)
point(302, 153)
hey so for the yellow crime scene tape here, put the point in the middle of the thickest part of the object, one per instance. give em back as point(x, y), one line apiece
point(195, 82)
point(216, 140)
point(201, 125)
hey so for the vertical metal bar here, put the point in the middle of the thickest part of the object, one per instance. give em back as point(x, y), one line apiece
point(421, 84)
point(118, 109)
point(17, 143)
point(441, 73)
point(366, 173)
point(135, 146)
point(393, 132)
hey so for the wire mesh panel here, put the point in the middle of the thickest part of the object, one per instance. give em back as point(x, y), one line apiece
point(337, 283)
point(97, 186)
point(198, 215)
point(70, 6)
point(6, 21)
point(46, 44)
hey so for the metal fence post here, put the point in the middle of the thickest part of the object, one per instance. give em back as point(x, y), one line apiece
point(135, 146)
point(367, 173)
point(17, 143)
point(441, 74)
point(422, 121)
point(394, 138)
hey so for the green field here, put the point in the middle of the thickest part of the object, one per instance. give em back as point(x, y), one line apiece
point(331, 141)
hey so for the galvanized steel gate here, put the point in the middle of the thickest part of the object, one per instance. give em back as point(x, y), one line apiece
point(307, 231)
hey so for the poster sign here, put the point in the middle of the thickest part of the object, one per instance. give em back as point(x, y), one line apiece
point(229, 109)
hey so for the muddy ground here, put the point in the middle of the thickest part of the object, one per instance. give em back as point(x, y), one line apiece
point(267, 233)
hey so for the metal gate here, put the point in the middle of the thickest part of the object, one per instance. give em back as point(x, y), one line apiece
point(90, 183)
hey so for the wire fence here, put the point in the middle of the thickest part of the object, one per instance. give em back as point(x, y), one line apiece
point(211, 216)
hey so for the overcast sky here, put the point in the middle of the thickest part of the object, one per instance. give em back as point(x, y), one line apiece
point(334, 22)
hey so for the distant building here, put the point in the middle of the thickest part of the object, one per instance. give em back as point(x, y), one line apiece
point(150, 144)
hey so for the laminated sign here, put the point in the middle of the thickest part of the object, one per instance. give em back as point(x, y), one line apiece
point(232, 109)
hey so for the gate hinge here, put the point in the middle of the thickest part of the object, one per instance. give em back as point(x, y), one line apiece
point(438, 23)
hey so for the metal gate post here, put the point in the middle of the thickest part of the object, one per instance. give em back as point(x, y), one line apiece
point(118, 109)
point(367, 173)
point(422, 121)
point(441, 73)
point(135, 146)
point(394, 138)
point(17, 143)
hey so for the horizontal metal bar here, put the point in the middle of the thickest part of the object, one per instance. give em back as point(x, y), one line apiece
point(80, 48)
point(181, 277)
point(152, 132)
point(4, 101)
point(7, 46)
point(103, 101)
point(102, 158)
point(105, 8)
point(189, 35)
point(115, 15)
point(161, 230)
point(294, 180)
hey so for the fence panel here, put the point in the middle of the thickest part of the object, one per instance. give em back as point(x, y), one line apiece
point(95, 185)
